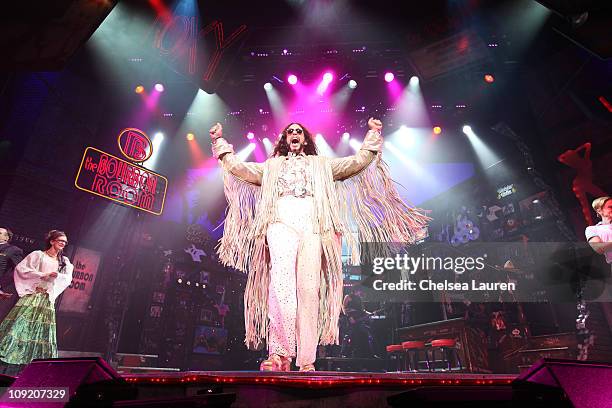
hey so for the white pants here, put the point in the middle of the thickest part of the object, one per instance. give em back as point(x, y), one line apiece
point(293, 302)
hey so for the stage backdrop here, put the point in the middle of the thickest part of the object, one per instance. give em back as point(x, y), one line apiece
point(76, 297)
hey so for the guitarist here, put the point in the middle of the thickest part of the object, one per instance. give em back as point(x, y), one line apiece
point(357, 340)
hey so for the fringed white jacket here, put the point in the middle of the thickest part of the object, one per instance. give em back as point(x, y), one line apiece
point(350, 193)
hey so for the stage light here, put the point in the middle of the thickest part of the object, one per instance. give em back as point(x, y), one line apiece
point(268, 86)
point(159, 87)
point(158, 138)
point(414, 81)
point(323, 147)
point(327, 79)
point(250, 135)
point(139, 89)
point(467, 130)
point(352, 84)
point(292, 79)
point(389, 77)
point(437, 130)
point(489, 78)
point(267, 145)
point(346, 136)
point(355, 145)
point(190, 136)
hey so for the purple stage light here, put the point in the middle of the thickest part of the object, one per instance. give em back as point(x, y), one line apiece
point(159, 87)
point(328, 77)
point(292, 79)
point(250, 135)
point(389, 76)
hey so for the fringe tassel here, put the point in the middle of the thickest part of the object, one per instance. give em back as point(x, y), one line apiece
point(370, 203)
point(243, 246)
point(236, 246)
point(256, 297)
point(330, 294)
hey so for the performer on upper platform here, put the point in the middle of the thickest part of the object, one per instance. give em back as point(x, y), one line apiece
point(284, 225)
point(10, 256)
point(28, 332)
point(600, 236)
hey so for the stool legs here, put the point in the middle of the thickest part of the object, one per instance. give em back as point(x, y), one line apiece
point(394, 363)
point(446, 357)
point(458, 359)
point(448, 354)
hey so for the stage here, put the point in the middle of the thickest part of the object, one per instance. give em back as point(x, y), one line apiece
point(91, 382)
point(322, 388)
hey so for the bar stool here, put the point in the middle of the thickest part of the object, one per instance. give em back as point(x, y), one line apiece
point(412, 351)
point(395, 352)
point(448, 349)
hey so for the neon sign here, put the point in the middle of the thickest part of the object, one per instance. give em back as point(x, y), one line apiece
point(115, 179)
point(194, 51)
point(135, 144)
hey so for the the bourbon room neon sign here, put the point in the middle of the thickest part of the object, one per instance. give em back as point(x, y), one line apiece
point(116, 179)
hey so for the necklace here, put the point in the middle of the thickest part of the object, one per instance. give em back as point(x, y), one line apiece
point(51, 256)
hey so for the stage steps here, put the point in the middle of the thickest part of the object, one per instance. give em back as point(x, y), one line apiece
point(559, 345)
point(597, 324)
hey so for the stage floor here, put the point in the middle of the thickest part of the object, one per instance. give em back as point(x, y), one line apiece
point(318, 378)
point(314, 389)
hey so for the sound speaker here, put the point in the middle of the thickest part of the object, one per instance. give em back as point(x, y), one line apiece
point(587, 384)
point(85, 378)
point(6, 380)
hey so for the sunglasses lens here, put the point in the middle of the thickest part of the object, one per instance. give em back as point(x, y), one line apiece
point(296, 131)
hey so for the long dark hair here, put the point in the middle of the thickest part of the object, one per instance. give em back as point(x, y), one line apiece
point(282, 148)
point(52, 236)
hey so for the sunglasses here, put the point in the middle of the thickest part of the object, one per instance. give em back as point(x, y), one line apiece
point(291, 131)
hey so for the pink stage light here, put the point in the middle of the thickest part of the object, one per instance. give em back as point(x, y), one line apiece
point(292, 79)
point(159, 87)
point(250, 135)
point(389, 76)
point(328, 77)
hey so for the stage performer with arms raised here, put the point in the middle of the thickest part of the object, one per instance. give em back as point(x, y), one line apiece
point(284, 224)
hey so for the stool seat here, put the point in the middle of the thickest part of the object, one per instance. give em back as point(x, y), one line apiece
point(448, 349)
point(443, 343)
point(394, 347)
point(410, 345)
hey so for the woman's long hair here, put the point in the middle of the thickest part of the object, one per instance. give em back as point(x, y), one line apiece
point(52, 236)
point(282, 148)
